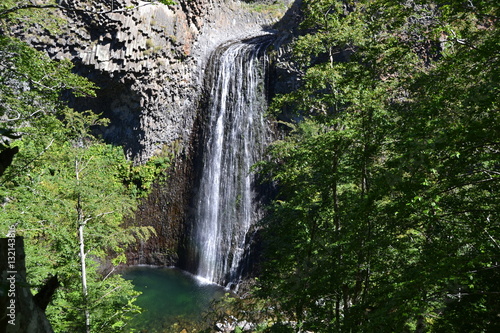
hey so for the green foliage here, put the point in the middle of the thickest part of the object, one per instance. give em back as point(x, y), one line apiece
point(236, 311)
point(386, 217)
point(61, 174)
point(30, 87)
point(112, 304)
point(272, 9)
point(165, 2)
point(44, 199)
point(25, 10)
point(140, 178)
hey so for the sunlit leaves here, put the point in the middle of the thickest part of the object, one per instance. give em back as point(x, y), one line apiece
point(44, 200)
point(31, 83)
point(389, 181)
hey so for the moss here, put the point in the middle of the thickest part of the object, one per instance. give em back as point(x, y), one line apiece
point(275, 10)
point(149, 43)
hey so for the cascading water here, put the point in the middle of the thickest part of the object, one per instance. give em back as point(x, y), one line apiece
point(234, 139)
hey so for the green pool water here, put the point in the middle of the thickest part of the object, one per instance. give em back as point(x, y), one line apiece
point(169, 296)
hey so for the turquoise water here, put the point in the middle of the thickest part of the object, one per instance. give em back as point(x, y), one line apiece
point(169, 296)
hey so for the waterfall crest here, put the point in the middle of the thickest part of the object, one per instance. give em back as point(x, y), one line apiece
point(235, 137)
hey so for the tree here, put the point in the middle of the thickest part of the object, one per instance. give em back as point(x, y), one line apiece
point(64, 185)
point(75, 188)
point(387, 186)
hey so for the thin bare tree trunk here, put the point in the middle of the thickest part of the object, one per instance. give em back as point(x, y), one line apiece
point(81, 225)
point(84, 277)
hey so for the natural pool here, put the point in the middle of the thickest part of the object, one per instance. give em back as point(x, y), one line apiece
point(169, 296)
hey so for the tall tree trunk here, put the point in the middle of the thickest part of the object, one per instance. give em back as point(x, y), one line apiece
point(84, 277)
point(81, 224)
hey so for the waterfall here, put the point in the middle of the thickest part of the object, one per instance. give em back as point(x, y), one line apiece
point(235, 137)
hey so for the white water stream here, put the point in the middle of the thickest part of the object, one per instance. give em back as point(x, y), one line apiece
point(235, 139)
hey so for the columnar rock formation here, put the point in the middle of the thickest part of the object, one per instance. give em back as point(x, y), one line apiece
point(148, 59)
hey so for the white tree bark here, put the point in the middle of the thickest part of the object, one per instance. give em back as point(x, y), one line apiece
point(84, 275)
point(81, 224)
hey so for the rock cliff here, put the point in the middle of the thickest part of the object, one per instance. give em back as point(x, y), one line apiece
point(168, 207)
point(147, 59)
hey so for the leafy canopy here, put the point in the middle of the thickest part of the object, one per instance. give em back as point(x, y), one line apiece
point(386, 213)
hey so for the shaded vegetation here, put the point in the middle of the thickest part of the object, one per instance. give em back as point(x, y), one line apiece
point(387, 213)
